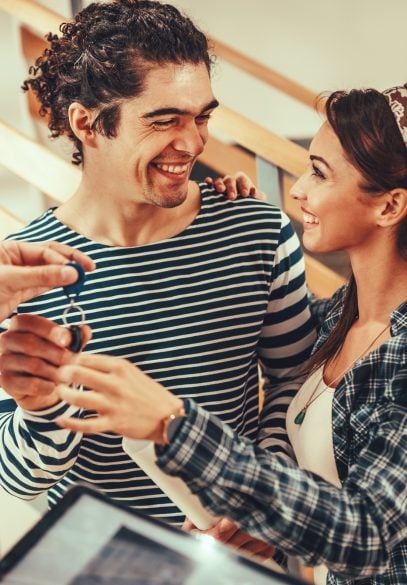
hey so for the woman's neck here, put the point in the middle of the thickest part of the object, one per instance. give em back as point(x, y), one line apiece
point(381, 287)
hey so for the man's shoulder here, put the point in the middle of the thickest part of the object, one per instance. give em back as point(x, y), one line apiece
point(249, 207)
point(36, 230)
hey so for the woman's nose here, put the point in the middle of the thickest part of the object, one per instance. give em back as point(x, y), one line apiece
point(297, 190)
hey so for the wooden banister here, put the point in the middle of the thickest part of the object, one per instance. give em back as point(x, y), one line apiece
point(280, 151)
point(36, 164)
point(226, 159)
point(9, 223)
point(34, 15)
point(265, 74)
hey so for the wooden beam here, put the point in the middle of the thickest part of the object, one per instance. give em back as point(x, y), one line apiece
point(9, 223)
point(278, 150)
point(227, 159)
point(321, 280)
point(37, 165)
point(37, 17)
point(265, 74)
point(33, 46)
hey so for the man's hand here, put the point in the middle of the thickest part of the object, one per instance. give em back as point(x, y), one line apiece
point(28, 270)
point(31, 352)
point(229, 533)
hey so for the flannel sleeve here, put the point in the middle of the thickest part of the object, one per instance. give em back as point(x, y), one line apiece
point(352, 530)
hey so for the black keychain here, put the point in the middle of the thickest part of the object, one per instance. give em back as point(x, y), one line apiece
point(73, 291)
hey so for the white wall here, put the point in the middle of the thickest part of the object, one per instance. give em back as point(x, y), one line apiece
point(323, 44)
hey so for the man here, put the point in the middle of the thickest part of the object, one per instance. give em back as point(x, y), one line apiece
point(189, 286)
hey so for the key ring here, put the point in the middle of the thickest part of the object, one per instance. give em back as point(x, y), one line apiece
point(72, 291)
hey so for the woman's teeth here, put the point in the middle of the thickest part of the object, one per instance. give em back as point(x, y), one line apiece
point(308, 218)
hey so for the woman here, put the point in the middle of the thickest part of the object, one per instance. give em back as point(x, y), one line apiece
point(346, 507)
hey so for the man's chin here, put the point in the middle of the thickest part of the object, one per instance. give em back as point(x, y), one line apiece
point(169, 200)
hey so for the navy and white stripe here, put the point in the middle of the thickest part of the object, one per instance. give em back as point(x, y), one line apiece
point(195, 311)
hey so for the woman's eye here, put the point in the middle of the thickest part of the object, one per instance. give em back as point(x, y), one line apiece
point(317, 173)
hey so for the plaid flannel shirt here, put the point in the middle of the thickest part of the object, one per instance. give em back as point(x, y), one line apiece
point(358, 531)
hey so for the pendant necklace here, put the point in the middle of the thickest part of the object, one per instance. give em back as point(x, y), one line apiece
point(301, 415)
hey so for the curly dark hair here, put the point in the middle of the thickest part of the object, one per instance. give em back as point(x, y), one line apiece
point(103, 56)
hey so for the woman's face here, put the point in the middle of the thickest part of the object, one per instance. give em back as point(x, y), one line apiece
point(338, 215)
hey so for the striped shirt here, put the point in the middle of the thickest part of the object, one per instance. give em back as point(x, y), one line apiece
point(196, 312)
point(359, 530)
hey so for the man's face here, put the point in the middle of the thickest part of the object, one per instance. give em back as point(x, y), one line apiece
point(160, 135)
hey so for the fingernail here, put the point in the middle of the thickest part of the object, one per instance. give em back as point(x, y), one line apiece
point(245, 192)
point(60, 336)
point(67, 272)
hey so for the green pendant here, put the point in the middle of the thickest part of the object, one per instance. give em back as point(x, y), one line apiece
point(300, 417)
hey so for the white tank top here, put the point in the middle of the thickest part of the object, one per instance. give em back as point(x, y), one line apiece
point(312, 440)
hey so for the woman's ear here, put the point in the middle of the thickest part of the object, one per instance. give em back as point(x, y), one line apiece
point(81, 120)
point(393, 208)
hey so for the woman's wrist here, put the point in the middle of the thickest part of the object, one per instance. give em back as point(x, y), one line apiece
point(167, 423)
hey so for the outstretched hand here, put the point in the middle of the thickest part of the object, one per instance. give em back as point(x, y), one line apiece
point(126, 401)
point(28, 270)
point(229, 533)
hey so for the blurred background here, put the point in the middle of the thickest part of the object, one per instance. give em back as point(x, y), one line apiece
point(323, 45)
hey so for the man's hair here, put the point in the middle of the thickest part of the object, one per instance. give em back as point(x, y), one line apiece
point(103, 56)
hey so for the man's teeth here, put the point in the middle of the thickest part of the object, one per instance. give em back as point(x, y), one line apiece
point(176, 169)
point(308, 218)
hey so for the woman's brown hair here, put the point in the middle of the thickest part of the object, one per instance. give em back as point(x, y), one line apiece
point(367, 130)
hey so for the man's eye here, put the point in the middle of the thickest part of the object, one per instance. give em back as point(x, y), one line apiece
point(162, 124)
point(203, 118)
point(317, 173)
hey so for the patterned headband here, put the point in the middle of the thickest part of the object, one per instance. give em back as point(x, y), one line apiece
point(397, 98)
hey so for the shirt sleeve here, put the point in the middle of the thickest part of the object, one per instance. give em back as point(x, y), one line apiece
point(35, 452)
point(352, 530)
point(286, 340)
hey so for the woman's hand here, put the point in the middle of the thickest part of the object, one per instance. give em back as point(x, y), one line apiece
point(32, 350)
point(127, 401)
point(236, 185)
point(228, 532)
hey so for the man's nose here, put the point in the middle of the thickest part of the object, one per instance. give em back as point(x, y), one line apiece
point(190, 140)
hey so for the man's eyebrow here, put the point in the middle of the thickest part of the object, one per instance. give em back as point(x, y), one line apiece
point(320, 159)
point(177, 111)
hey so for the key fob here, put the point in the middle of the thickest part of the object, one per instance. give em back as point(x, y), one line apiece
point(76, 287)
point(77, 339)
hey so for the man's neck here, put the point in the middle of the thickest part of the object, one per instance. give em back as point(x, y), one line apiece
point(106, 221)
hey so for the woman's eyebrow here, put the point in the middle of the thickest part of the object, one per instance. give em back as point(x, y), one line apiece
point(320, 159)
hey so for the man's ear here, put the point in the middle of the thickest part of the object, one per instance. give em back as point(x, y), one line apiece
point(81, 120)
point(393, 208)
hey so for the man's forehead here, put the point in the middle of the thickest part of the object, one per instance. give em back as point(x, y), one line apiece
point(176, 88)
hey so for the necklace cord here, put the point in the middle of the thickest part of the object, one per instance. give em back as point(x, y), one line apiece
point(301, 415)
